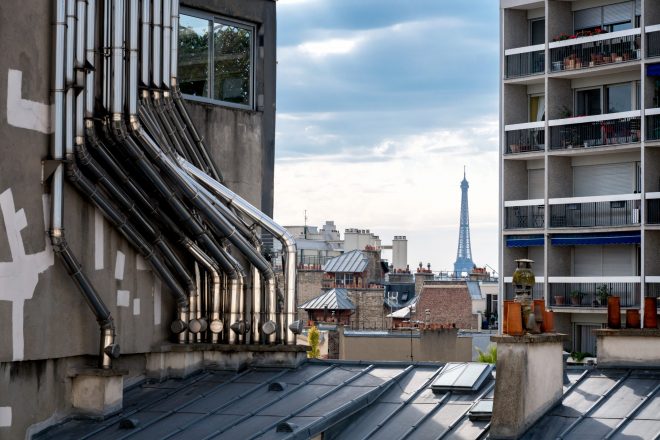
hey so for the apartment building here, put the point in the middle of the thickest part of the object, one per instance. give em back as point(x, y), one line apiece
point(580, 155)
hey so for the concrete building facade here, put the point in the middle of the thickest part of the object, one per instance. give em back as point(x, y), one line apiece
point(579, 156)
point(46, 328)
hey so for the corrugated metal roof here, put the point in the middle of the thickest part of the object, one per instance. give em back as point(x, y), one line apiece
point(474, 289)
point(345, 400)
point(350, 262)
point(335, 299)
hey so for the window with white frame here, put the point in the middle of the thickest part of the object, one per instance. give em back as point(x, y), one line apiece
point(216, 59)
point(609, 98)
point(610, 18)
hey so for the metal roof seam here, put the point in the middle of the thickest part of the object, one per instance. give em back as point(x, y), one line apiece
point(183, 405)
point(645, 400)
point(403, 404)
point(593, 407)
point(224, 405)
point(455, 423)
point(440, 403)
point(112, 420)
point(262, 407)
point(315, 400)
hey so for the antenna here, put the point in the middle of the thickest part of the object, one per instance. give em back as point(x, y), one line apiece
point(305, 228)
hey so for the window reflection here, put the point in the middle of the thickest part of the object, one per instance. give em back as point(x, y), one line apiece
point(193, 55)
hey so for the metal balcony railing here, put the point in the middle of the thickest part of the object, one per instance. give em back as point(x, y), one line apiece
point(652, 43)
point(524, 61)
point(510, 291)
point(596, 213)
point(587, 294)
point(525, 139)
point(653, 291)
point(524, 217)
point(595, 131)
point(595, 51)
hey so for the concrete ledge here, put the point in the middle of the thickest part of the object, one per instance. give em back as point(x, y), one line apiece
point(180, 361)
point(628, 347)
point(530, 339)
point(99, 372)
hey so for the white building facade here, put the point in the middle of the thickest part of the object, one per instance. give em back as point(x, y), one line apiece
point(580, 155)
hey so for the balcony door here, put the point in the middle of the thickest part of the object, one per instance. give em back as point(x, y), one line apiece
point(604, 260)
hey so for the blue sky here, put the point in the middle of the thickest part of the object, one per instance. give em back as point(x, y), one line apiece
point(379, 106)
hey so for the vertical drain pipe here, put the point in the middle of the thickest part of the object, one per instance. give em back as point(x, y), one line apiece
point(146, 42)
point(108, 348)
point(156, 40)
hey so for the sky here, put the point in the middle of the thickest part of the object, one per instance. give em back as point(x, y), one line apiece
point(380, 105)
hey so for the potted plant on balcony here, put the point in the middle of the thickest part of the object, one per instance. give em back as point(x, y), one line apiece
point(559, 300)
point(602, 293)
point(576, 297)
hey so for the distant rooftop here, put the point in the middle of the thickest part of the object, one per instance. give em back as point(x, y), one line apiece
point(349, 262)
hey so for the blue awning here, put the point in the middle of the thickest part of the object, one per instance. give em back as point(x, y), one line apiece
point(524, 240)
point(587, 239)
point(653, 70)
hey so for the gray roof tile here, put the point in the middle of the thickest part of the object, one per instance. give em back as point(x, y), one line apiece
point(335, 299)
point(349, 262)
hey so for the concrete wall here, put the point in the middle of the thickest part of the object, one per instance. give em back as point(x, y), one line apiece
point(44, 320)
point(429, 345)
point(309, 287)
point(369, 310)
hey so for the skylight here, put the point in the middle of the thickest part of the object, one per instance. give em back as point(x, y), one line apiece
point(461, 376)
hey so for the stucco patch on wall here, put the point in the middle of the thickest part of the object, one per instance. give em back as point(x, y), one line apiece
point(119, 265)
point(20, 276)
point(5, 416)
point(98, 240)
point(123, 298)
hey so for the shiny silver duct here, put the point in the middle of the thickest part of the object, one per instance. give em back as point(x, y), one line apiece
point(281, 234)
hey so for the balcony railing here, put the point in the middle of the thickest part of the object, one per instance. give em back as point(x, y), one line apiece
point(595, 131)
point(524, 61)
point(524, 214)
point(653, 290)
point(584, 212)
point(595, 51)
point(653, 124)
point(653, 208)
point(537, 290)
point(524, 138)
point(592, 294)
point(653, 41)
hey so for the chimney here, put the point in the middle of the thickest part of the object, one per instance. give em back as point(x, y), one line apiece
point(530, 372)
point(628, 347)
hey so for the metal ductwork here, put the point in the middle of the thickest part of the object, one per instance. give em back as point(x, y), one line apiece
point(124, 139)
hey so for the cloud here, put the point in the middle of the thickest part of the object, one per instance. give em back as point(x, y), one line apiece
point(333, 46)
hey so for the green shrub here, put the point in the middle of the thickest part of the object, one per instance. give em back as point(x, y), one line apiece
point(489, 356)
point(313, 339)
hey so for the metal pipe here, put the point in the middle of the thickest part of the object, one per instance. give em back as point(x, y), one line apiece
point(167, 37)
point(117, 105)
point(216, 325)
point(281, 234)
point(256, 317)
point(238, 325)
point(146, 41)
point(133, 43)
point(174, 43)
point(64, 69)
point(156, 64)
point(90, 45)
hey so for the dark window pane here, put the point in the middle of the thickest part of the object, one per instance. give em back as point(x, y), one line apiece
point(538, 31)
point(193, 55)
point(232, 60)
point(588, 102)
point(619, 98)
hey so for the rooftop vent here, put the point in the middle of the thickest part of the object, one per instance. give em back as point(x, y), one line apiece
point(461, 376)
point(482, 410)
point(276, 386)
point(286, 427)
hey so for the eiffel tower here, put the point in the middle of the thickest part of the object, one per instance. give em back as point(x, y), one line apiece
point(464, 253)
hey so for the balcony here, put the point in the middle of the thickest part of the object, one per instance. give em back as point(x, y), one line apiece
point(595, 131)
point(595, 51)
point(588, 292)
point(595, 211)
point(653, 41)
point(653, 287)
point(524, 214)
point(525, 138)
point(524, 61)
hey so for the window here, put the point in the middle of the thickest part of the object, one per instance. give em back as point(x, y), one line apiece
point(343, 279)
point(587, 102)
point(611, 18)
point(536, 108)
point(619, 97)
point(537, 31)
point(216, 59)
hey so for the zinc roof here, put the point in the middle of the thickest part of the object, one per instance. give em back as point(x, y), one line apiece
point(349, 262)
point(335, 299)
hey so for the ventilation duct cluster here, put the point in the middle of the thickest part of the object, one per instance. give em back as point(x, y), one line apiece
point(124, 139)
